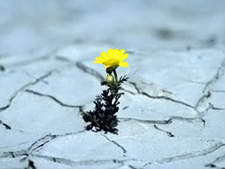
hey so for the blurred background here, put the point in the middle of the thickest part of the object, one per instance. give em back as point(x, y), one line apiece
point(29, 26)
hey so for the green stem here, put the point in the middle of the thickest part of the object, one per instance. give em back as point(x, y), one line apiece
point(115, 75)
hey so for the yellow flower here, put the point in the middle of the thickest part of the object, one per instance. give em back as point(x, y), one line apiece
point(113, 58)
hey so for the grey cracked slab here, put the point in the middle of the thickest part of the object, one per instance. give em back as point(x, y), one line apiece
point(171, 114)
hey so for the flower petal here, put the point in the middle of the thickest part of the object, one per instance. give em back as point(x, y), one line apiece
point(107, 66)
point(97, 61)
point(111, 52)
point(122, 51)
point(123, 64)
point(104, 55)
point(124, 56)
point(100, 58)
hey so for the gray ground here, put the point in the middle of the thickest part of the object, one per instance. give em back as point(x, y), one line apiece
point(172, 114)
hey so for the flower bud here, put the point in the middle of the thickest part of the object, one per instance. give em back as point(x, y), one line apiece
point(110, 79)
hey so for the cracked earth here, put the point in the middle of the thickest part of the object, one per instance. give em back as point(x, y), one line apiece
point(172, 114)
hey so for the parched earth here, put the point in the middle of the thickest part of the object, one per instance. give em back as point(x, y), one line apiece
point(172, 114)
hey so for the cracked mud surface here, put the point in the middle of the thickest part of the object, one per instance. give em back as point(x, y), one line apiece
point(172, 114)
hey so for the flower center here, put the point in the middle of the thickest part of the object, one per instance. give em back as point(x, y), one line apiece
point(111, 62)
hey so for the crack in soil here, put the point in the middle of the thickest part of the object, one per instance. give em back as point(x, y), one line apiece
point(185, 156)
point(52, 98)
point(206, 90)
point(6, 126)
point(89, 71)
point(144, 93)
point(169, 134)
point(117, 144)
point(14, 95)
